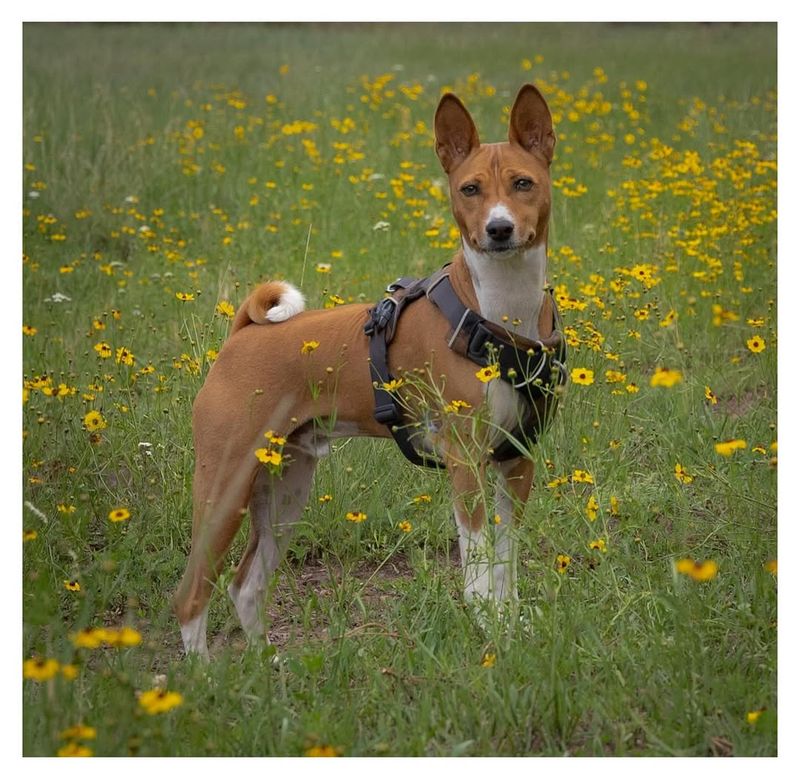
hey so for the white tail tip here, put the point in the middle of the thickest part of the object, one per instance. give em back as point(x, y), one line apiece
point(291, 302)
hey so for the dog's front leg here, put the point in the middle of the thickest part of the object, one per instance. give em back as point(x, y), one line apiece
point(486, 538)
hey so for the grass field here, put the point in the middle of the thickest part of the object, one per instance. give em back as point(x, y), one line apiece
point(170, 168)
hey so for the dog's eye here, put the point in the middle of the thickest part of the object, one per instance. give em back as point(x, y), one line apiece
point(470, 190)
point(523, 185)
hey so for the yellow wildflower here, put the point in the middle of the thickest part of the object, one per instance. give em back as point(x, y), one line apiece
point(323, 750)
point(700, 572)
point(159, 701)
point(727, 448)
point(94, 420)
point(39, 669)
point(664, 377)
point(489, 373)
point(269, 456)
point(74, 749)
point(119, 514)
point(582, 376)
point(752, 716)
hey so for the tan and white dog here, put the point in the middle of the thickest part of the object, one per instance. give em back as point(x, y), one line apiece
point(265, 380)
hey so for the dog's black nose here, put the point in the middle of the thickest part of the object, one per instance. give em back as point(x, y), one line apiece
point(500, 230)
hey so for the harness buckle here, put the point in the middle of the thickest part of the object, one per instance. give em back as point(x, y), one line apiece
point(476, 343)
point(380, 316)
point(387, 414)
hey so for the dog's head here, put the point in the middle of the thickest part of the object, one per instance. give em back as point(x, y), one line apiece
point(500, 192)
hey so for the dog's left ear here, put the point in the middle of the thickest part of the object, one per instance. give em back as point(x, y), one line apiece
point(531, 125)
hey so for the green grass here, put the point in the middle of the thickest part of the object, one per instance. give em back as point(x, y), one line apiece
point(144, 188)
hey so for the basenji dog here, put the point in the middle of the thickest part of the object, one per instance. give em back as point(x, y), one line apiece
point(304, 378)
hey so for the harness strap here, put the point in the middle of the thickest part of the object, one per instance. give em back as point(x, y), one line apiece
point(380, 328)
point(533, 368)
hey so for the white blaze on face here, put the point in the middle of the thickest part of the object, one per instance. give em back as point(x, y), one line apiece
point(500, 211)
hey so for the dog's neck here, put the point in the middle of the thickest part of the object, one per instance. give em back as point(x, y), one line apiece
point(509, 290)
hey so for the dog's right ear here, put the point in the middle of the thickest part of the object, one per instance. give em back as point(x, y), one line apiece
point(456, 135)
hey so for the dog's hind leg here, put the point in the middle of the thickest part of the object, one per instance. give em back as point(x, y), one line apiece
point(277, 502)
point(218, 515)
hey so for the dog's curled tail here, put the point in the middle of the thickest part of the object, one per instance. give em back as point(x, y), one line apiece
point(274, 301)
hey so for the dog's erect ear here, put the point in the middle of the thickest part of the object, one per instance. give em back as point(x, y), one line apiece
point(456, 135)
point(531, 125)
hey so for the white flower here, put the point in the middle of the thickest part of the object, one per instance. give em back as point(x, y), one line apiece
point(380, 225)
point(58, 297)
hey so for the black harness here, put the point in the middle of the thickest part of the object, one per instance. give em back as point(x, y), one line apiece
point(534, 368)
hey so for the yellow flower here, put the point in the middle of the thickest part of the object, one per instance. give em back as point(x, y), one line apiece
point(103, 350)
point(771, 566)
point(664, 377)
point(752, 716)
point(489, 373)
point(274, 438)
point(393, 385)
point(417, 499)
point(89, 638)
point(355, 516)
point(325, 498)
point(73, 749)
point(682, 475)
point(94, 420)
point(78, 733)
point(184, 296)
point(269, 456)
point(125, 636)
point(582, 376)
point(582, 477)
point(598, 545)
point(28, 330)
point(159, 701)
point(700, 572)
point(29, 535)
point(323, 750)
point(669, 318)
point(727, 448)
point(592, 507)
point(562, 563)
point(323, 267)
point(224, 308)
point(39, 669)
point(613, 377)
point(405, 526)
point(69, 671)
point(455, 406)
point(711, 397)
point(756, 344)
point(613, 506)
point(308, 347)
point(489, 659)
point(125, 356)
point(72, 586)
point(119, 515)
